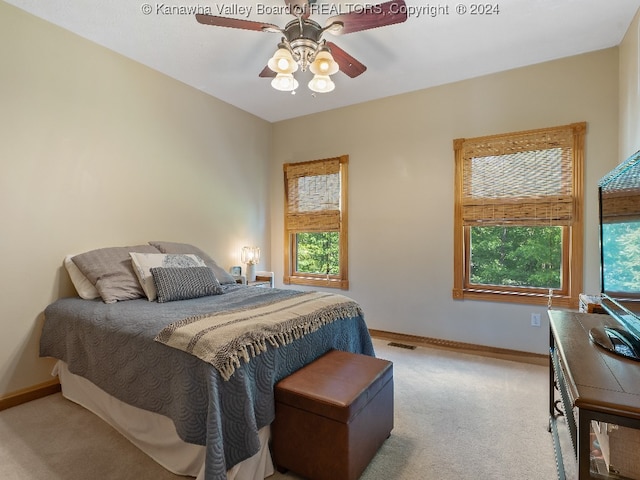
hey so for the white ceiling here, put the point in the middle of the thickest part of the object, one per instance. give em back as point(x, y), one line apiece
point(422, 52)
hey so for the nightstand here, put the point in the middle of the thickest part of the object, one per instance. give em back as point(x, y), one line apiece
point(263, 279)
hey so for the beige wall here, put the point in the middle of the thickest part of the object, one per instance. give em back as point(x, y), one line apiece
point(401, 188)
point(630, 90)
point(97, 150)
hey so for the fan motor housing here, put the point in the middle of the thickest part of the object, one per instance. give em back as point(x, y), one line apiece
point(305, 29)
point(303, 37)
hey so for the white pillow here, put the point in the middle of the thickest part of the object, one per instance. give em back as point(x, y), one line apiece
point(143, 263)
point(84, 287)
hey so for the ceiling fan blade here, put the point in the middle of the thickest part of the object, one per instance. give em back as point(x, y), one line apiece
point(267, 73)
point(348, 65)
point(299, 7)
point(369, 17)
point(235, 23)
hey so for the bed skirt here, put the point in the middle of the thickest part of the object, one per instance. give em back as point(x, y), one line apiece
point(155, 434)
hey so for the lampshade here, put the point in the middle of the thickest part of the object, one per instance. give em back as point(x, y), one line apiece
point(282, 62)
point(284, 82)
point(324, 64)
point(250, 255)
point(321, 84)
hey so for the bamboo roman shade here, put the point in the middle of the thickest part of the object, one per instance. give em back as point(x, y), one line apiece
point(313, 196)
point(524, 178)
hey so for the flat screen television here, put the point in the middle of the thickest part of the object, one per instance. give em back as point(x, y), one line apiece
point(619, 200)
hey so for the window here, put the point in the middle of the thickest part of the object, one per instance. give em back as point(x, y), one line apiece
point(316, 223)
point(518, 216)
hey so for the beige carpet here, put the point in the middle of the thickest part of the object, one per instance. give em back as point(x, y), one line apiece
point(457, 417)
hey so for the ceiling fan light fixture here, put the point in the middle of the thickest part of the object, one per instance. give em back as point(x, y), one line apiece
point(321, 84)
point(284, 82)
point(282, 62)
point(324, 64)
point(302, 47)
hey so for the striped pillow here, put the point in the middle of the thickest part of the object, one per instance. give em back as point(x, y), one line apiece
point(174, 283)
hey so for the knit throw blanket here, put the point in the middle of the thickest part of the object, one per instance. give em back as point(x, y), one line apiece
point(224, 338)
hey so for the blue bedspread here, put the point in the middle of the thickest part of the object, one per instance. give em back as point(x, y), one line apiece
point(113, 346)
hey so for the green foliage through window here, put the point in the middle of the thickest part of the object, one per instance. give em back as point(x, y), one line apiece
point(529, 257)
point(318, 253)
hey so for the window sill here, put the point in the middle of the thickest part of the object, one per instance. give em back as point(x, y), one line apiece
point(515, 297)
point(317, 282)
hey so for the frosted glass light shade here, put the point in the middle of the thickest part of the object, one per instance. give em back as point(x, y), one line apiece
point(324, 64)
point(282, 62)
point(321, 84)
point(284, 82)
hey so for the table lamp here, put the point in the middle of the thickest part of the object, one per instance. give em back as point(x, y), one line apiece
point(250, 256)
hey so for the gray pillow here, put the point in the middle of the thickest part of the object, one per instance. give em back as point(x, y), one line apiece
point(110, 271)
point(172, 247)
point(175, 283)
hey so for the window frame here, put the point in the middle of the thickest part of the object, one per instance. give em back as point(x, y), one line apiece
point(291, 275)
point(572, 234)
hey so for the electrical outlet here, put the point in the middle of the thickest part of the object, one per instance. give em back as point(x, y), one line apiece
point(535, 319)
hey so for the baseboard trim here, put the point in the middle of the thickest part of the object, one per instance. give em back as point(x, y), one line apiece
point(53, 386)
point(28, 394)
point(495, 352)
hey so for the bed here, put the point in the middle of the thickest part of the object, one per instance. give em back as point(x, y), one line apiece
point(117, 358)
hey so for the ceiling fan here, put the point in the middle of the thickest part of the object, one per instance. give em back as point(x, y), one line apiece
point(302, 45)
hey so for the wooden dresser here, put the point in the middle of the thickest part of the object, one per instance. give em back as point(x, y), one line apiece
point(588, 384)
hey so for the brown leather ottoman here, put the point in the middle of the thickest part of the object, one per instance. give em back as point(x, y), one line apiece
point(332, 416)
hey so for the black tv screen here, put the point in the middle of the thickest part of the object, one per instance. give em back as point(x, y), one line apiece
point(619, 198)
